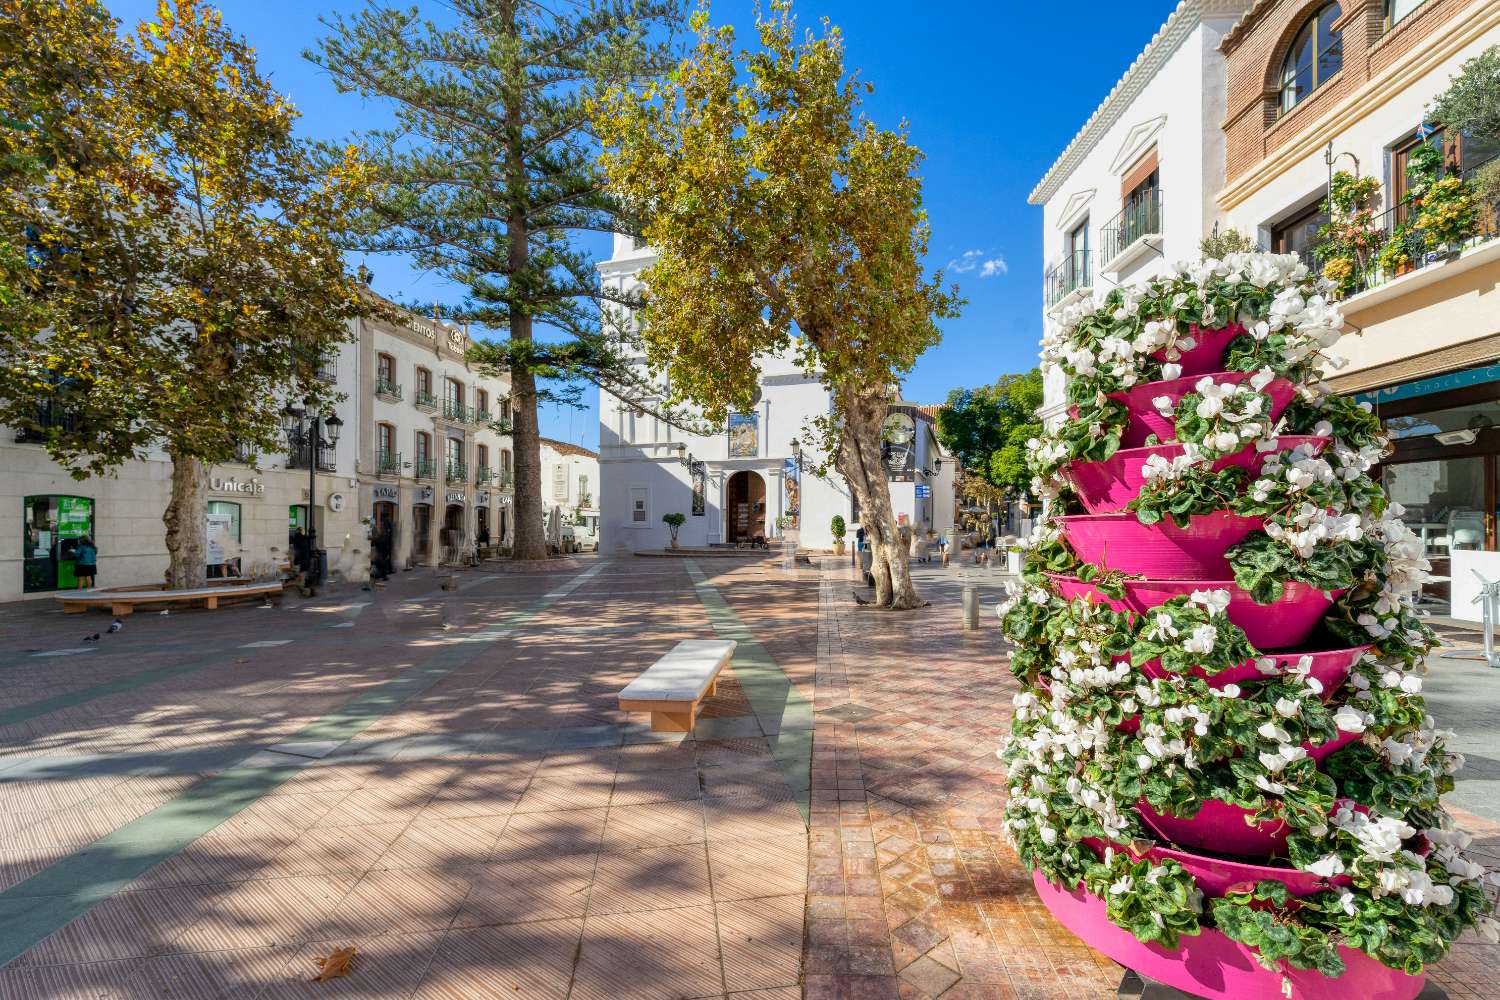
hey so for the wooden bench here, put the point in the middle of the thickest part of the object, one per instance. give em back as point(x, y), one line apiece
point(122, 603)
point(672, 687)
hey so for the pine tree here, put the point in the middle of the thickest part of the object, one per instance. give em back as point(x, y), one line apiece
point(490, 171)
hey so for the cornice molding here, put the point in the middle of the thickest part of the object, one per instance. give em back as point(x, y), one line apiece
point(1167, 40)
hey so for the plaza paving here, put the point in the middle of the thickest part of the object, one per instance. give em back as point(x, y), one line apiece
point(205, 803)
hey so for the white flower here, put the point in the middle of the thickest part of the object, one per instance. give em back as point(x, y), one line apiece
point(1171, 371)
point(1351, 720)
point(1201, 640)
point(1346, 902)
point(1164, 406)
point(1288, 708)
point(1213, 601)
point(1121, 885)
point(1327, 866)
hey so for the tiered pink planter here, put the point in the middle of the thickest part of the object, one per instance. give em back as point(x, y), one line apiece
point(1216, 845)
point(1208, 964)
point(1146, 420)
point(1107, 486)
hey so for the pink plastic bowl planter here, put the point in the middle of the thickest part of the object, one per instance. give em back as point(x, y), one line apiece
point(1217, 875)
point(1330, 666)
point(1221, 827)
point(1208, 964)
point(1121, 542)
point(1108, 486)
point(1145, 420)
point(1207, 353)
point(1283, 624)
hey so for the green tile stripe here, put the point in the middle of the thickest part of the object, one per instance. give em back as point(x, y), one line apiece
point(62, 892)
point(785, 715)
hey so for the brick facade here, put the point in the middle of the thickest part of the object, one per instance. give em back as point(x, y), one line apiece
point(1254, 51)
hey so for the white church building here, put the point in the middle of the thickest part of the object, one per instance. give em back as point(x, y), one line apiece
point(733, 486)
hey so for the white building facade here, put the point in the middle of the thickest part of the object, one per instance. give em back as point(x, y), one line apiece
point(372, 472)
point(732, 487)
point(1133, 192)
point(570, 485)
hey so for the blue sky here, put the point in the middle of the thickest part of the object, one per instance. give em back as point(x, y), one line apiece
point(991, 91)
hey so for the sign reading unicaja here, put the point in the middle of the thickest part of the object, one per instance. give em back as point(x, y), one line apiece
point(253, 487)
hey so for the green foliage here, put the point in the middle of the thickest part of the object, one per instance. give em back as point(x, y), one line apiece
point(183, 272)
point(1471, 104)
point(676, 520)
point(1158, 903)
point(837, 527)
point(1260, 917)
point(1218, 245)
point(987, 428)
point(1350, 239)
point(1199, 490)
point(785, 223)
point(1162, 635)
point(1263, 566)
point(490, 170)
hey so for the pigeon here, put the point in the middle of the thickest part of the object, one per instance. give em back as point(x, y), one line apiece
point(91, 638)
point(165, 612)
point(857, 599)
point(116, 625)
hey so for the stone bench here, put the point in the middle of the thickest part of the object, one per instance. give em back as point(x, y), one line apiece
point(124, 602)
point(672, 687)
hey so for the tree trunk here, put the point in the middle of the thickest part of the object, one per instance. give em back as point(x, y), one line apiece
point(859, 461)
point(186, 519)
point(531, 540)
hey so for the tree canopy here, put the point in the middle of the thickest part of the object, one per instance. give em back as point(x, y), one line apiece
point(785, 223)
point(491, 170)
point(179, 266)
point(987, 428)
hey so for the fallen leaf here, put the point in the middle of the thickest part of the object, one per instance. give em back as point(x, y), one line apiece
point(335, 965)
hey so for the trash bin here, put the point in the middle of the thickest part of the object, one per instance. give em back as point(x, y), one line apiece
point(318, 571)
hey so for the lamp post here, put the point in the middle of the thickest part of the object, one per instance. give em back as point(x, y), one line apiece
point(307, 428)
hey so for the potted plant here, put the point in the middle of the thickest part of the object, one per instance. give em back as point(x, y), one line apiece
point(838, 528)
point(674, 521)
point(1220, 768)
point(1349, 240)
point(1394, 257)
point(1448, 216)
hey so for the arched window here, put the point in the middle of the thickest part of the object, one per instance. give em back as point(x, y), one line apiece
point(1317, 53)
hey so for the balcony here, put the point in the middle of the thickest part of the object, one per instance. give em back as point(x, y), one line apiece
point(1069, 279)
point(424, 468)
point(1131, 235)
point(327, 457)
point(458, 472)
point(482, 416)
point(457, 412)
point(1398, 225)
point(424, 400)
point(386, 389)
point(49, 416)
point(328, 372)
point(484, 475)
point(506, 479)
point(388, 465)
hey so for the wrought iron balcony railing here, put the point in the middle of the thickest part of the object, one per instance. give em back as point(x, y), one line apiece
point(424, 468)
point(1068, 275)
point(458, 472)
point(424, 400)
point(1135, 222)
point(388, 464)
point(457, 411)
point(387, 388)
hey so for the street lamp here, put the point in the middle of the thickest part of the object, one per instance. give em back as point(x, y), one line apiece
point(797, 450)
point(312, 433)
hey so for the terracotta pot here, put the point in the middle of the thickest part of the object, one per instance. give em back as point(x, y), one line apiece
point(1121, 542)
point(1108, 486)
point(1145, 420)
point(1282, 624)
point(1209, 964)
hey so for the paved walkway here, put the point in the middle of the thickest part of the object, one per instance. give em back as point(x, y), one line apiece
point(205, 803)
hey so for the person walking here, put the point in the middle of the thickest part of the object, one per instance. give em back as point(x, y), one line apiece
point(85, 562)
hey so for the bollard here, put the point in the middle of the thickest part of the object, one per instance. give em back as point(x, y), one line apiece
point(971, 608)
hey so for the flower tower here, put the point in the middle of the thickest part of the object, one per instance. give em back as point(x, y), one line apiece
point(1221, 770)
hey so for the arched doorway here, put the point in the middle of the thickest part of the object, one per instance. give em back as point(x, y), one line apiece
point(745, 496)
point(421, 533)
point(452, 537)
point(482, 526)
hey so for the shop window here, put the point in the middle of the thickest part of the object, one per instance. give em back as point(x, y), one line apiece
point(52, 528)
point(223, 547)
point(1299, 234)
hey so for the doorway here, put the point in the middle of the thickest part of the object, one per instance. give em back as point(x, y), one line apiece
point(746, 501)
point(482, 525)
point(421, 532)
point(53, 527)
point(452, 538)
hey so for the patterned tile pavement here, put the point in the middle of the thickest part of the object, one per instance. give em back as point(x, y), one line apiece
point(912, 890)
point(455, 794)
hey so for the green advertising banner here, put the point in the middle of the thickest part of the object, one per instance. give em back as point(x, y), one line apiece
point(75, 517)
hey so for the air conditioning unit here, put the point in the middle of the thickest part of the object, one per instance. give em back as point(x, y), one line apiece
point(1457, 437)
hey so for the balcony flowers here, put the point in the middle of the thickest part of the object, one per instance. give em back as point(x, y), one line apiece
point(1350, 239)
point(1448, 214)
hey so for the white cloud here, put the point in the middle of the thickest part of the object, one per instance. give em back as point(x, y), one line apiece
point(976, 260)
